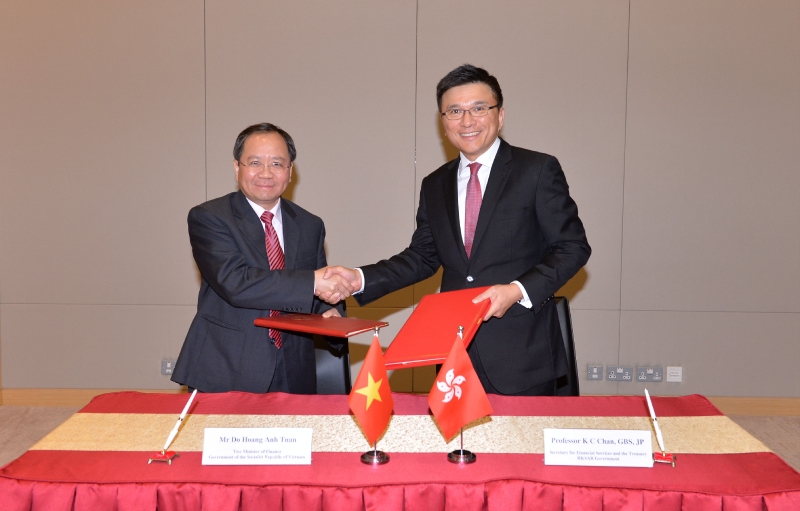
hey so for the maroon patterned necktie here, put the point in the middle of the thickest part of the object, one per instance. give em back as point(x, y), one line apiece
point(472, 206)
point(275, 256)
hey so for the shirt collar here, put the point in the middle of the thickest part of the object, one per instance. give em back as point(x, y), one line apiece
point(276, 211)
point(486, 159)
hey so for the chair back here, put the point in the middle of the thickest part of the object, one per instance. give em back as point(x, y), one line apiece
point(565, 320)
point(333, 366)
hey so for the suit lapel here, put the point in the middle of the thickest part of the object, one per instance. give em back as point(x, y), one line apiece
point(250, 224)
point(291, 233)
point(501, 170)
point(450, 189)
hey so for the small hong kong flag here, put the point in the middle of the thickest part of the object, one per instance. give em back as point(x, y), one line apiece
point(457, 397)
point(371, 398)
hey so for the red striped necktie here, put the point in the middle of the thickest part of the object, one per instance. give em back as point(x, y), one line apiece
point(275, 256)
point(472, 206)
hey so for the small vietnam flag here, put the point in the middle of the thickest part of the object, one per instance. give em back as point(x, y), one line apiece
point(371, 398)
point(457, 397)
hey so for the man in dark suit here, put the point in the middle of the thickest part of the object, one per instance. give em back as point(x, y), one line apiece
point(257, 254)
point(498, 216)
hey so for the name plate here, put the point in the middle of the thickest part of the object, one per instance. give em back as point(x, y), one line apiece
point(598, 447)
point(257, 446)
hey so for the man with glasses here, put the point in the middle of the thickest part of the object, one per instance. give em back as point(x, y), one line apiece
point(498, 216)
point(258, 255)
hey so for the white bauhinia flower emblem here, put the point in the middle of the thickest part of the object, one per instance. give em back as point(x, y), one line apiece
point(451, 386)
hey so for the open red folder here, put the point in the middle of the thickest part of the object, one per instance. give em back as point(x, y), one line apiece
point(428, 335)
point(316, 324)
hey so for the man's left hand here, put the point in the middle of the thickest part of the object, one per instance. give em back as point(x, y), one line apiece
point(331, 313)
point(502, 296)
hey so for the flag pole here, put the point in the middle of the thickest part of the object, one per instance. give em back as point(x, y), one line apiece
point(375, 457)
point(461, 456)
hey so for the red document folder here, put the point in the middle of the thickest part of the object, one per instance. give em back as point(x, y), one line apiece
point(428, 335)
point(316, 324)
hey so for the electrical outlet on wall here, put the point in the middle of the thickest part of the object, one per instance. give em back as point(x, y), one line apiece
point(594, 373)
point(619, 373)
point(654, 374)
point(167, 365)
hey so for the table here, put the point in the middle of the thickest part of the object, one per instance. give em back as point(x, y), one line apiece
point(98, 459)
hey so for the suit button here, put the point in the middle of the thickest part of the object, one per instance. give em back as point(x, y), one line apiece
point(469, 278)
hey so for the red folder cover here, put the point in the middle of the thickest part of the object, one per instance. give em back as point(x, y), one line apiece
point(316, 324)
point(427, 336)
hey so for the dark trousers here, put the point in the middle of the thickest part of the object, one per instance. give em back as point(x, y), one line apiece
point(545, 389)
point(279, 381)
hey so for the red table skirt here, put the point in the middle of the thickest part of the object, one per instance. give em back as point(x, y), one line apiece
point(508, 495)
point(78, 480)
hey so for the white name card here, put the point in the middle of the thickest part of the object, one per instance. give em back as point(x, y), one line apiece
point(598, 447)
point(257, 446)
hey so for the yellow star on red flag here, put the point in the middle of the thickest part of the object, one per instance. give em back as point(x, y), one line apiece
point(372, 390)
point(371, 399)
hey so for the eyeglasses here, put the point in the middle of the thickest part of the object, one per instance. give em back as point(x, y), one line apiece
point(275, 166)
point(455, 114)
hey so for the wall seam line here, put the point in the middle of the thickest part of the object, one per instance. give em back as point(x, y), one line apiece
point(413, 189)
point(205, 101)
point(624, 162)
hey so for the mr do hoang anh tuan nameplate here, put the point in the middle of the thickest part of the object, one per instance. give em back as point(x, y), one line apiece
point(427, 336)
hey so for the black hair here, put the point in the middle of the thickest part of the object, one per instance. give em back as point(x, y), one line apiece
point(263, 127)
point(465, 74)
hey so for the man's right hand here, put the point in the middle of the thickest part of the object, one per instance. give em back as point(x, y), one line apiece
point(331, 288)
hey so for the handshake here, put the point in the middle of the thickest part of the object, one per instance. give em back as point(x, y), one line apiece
point(333, 284)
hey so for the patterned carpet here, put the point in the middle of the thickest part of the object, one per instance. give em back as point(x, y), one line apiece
point(23, 426)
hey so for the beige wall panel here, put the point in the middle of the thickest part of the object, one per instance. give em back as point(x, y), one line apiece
point(90, 346)
point(101, 151)
point(722, 353)
point(596, 335)
point(712, 188)
point(562, 67)
point(339, 77)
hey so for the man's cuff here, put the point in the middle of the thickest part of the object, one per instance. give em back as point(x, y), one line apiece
point(524, 301)
point(362, 282)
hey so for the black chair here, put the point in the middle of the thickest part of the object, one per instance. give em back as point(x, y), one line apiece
point(565, 319)
point(333, 366)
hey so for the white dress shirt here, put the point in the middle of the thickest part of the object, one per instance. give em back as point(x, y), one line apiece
point(277, 223)
point(486, 160)
point(277, 219)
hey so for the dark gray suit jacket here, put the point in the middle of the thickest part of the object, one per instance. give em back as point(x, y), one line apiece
point(528, 230)
point(223, 350)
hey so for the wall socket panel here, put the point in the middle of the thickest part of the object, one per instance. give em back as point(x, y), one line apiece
point(594, 373)
point(675, 374)
point(167, 365)
point(614, 373)
point(649, 374)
